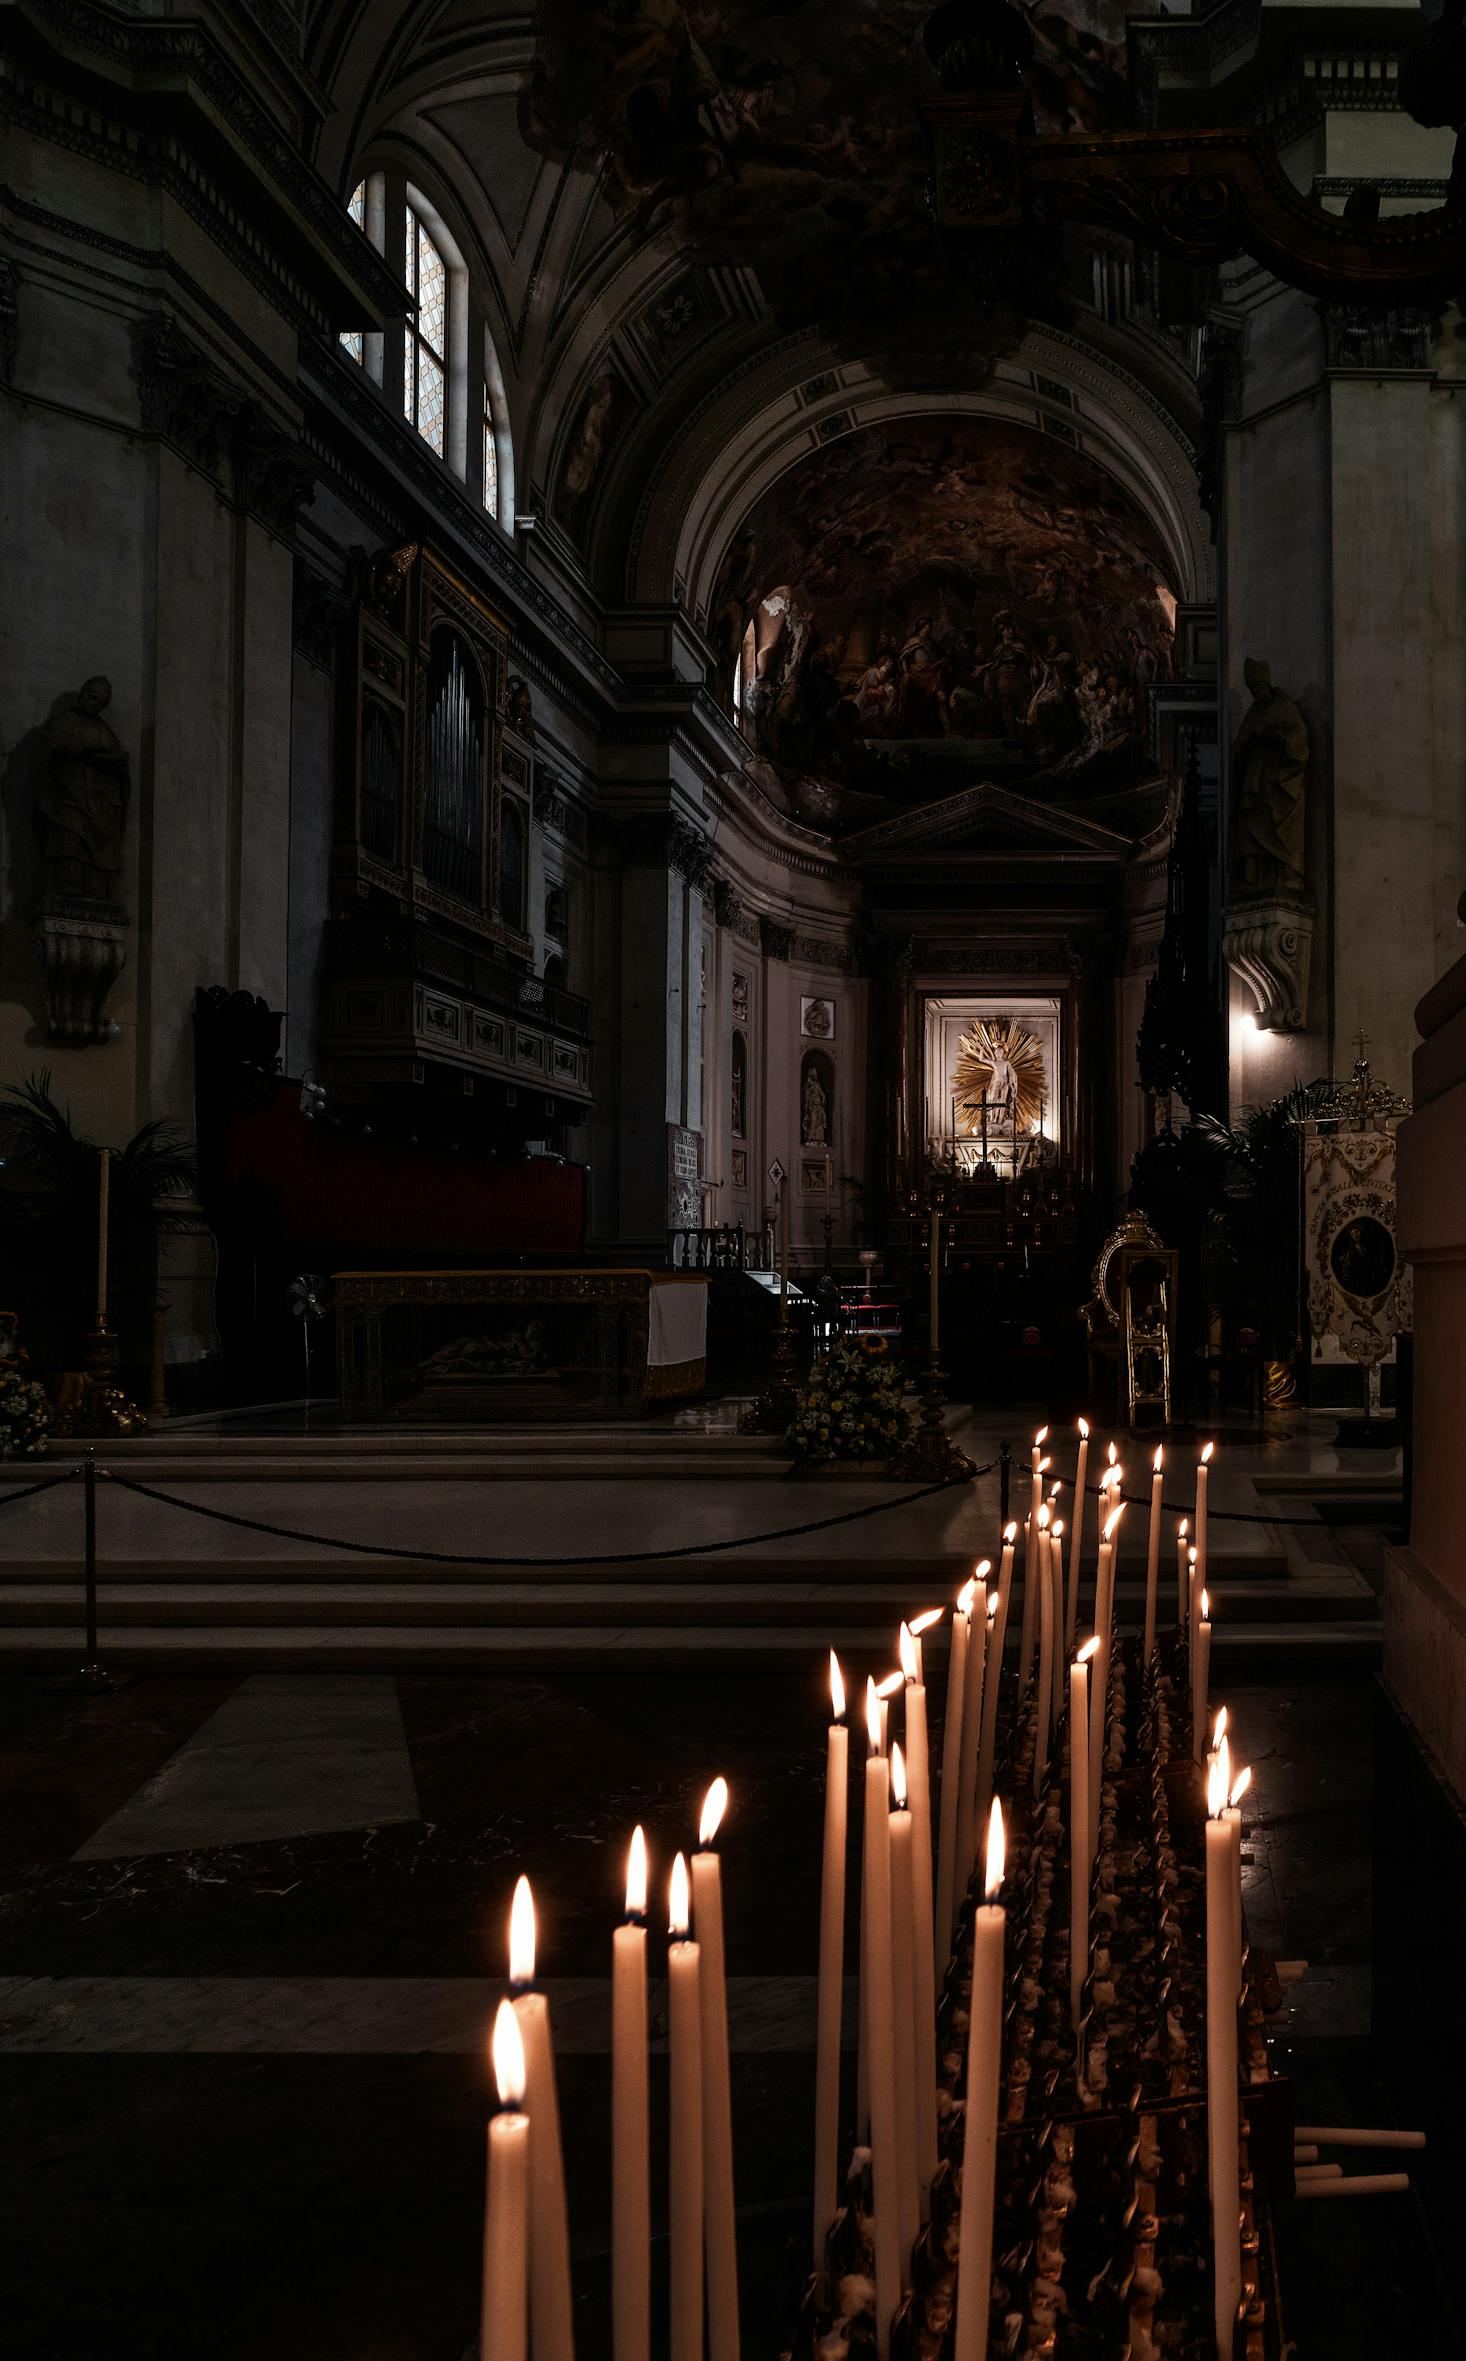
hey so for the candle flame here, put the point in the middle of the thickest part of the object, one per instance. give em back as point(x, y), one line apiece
point(837, 1688)
point(1112, 1521)
point(507, 2048)
point(1010, 1534)
point(1056, 1530)
point(1224, 1767)
point(1219, 1726)
point(994, 1875)
point(1207, 1452)
point(1044, 1465)
point(636, 1874)
point(1083, 1425)
point(678, 1901)
point(906, 1650)
point(1183, 1528)
point(1114, 1455)
point(1241, 1784)
point(992, 1607)
point(982, 1569)
point(1043, 1518)
point(714, 1805)
point(873, 1716)
point(1191, 1557)
point(1205, 1611)
point(889, 1686)
point(1040, 1438)
point(1088, 1650)
point(1216, 1789)
point(898, 1778)
point(521, 1935)
point(1160, 1459)
point(1055, 1489)
point(924, 1621)
point(965, 1597)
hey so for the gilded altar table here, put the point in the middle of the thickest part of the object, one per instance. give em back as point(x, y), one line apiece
point(470, 1346)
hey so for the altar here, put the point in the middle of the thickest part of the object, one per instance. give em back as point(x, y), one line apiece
point(463, 1347)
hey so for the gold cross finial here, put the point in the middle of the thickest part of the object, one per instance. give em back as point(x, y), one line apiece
point(1361, 1044)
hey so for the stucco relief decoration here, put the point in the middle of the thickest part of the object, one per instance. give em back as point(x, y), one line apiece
point(935, 602)
point(740, 998)
point(1359, 1286)
point(791, 142)
point(83, 790)
point(1269, 924)
point(817, 1019)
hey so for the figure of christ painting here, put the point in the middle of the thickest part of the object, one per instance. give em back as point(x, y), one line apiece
point(939, 599)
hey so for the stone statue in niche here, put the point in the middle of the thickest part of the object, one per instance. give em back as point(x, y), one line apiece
point(814, 1114)
point(1270, 759)
point(81, 808)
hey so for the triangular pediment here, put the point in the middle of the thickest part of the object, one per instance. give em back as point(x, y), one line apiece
point(984, 818)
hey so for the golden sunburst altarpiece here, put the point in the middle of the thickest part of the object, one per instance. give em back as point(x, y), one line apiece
point(999, 1058)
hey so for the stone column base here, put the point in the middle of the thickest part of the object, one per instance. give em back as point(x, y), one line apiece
point(1425, 1660)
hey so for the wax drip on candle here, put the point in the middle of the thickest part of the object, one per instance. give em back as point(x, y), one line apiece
point(507, 2048)
point(636, 1879)
point(521, 1938)
point(714, 1805)
point(837, 1689)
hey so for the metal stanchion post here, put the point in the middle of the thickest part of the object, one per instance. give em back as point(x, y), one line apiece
point(1005, 1477)
point(92, 1673)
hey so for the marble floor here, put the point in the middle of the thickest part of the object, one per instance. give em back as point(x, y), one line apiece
point(252, 1927)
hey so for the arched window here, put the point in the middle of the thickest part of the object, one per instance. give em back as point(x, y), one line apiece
point(352, 340)
point(425, 350)
point(498, 448)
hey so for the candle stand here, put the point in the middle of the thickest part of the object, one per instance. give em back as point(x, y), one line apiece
point(931, 1456)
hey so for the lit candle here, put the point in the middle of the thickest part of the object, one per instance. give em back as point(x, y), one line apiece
point(685, 2182)
point(717, 2097)
point(879, 2014)
point(936, 1275)
point(980, 2137)
point(1233, 1818)
point(1203, 1469)
point(1183, 1587)
point(1056, 1584)
point(923, 1906)
point(903, 2012)
point(631, 2203)
point(549, 2229)
point(1152, 1556)
point(993, 1675)
point(1200, 1677)
point(1045, 1650)
point(1079, 1846)
point(504, 2314)
point(951, 1774)
point(1076, 1538)
point(1099, 1699)
point(784, 1247)
point(832, 1967)
point(1221, 2065)
point(979, 1672)
point(1030, 1553)
point(104, 1175)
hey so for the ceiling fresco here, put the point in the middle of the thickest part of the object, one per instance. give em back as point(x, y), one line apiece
point(934, 601)
point(788, 138)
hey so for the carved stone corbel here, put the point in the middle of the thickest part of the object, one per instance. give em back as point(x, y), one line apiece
point(775, 941)
point(1269, 945)
point(81, 951)
point(726, 901)
point(276, 480)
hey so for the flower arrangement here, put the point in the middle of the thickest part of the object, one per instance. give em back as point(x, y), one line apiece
point(25, 1415)
point(852, 1407)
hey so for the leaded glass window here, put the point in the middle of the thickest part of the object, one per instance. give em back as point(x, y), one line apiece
point(424, 373)
point(352, 341)
point(491, 460)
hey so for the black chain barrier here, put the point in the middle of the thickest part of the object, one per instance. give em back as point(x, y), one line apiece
point(9, 1497)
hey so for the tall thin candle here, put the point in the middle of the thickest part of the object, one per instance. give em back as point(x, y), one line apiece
point(104, 1176)
point(832, 1966)
point(979, 1673)
point(1152, 1556)
point(1045, 1650)
point(1056, 1584)
point(936, 1278)
point(903, 2011)
point(1076, 1537)
point(1203, 1471)
point(993, 1676)
point(1183, 1586)
point(1029, 1635)
point(717, 2096)
point(1079, 1847)
point(876, 1974)
point(685, 2173)
point(1221, 2067)
point(631, 2203)
point(549, 2227)
point(980, 2137)
point(923, 1909)
point(1200, 1677)
point(951, 1774)
point(784, 1246)
point(504, 2314)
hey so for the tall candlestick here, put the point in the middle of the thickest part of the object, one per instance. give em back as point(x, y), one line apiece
point(1221, 2069)
point(876, 1974)
point(1076, 1537)
point(980, 2137)
point(832, 1968)
point(1203, 1470)
point(504, 2314)
point(1200, 1678)
point(784, 1247)
point(1056, 1585)
point(104, 1177)
point(951, 1775)
point(631, 2201)
point(993, 1676)
point(1152, 1557)
point(685, 2175)
point(1030, 1552)
point(903, 2010)
point(549, 2227)
point(979, 1673)
point(923, 1968)
point(1183, 1584)
point(717, 2096)
point(1045, 1650)
point(1079, 1847)
point(936, 1277)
